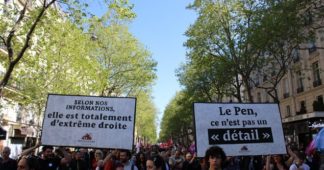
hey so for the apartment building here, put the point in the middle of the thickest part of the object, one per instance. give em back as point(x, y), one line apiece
point(301, 93)
point(301, 90)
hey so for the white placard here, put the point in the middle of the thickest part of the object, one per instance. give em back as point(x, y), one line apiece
point(88, 121)
point(240, 129)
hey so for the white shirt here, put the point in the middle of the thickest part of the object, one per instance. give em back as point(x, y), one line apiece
point(303, 167)
point(128, 166)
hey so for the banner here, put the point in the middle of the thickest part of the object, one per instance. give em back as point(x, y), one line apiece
point(88, 121)
point(240, 129)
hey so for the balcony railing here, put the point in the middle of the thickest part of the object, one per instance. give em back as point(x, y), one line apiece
point(300, 89)
point(287, 115)
point(317, 83)
point(302, 111)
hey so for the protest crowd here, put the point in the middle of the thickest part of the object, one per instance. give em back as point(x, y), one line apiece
point(153, 157)
point(235, 137)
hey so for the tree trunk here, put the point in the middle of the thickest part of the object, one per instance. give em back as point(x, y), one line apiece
point(248, 89)
point(5, 80)
point(13, 62)
point(238, 89)
point(276, 98)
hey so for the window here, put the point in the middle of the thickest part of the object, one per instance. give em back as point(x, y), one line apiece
point(267, 100)
point(316, 74)
point(302, 107)
point(320, 99)
point(308, 18)
point(257, 79)
point(318, 104)
point(311, 46)
point(295, 55)
point(288, 113)
point(300, 85)
point(259, 97)
point(285, 88)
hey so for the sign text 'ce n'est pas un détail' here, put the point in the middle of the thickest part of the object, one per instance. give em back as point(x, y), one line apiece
point(240, 129)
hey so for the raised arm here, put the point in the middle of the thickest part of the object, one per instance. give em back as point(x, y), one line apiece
point(29, 150)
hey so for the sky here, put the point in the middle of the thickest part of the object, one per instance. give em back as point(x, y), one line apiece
point(160, 26)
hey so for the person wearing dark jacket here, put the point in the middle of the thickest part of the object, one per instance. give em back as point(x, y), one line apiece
point(6, 163)
point(190, 162)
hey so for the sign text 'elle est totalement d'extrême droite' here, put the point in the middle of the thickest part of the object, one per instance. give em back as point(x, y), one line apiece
point(89, 121)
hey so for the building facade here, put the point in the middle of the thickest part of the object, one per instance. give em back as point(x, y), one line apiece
point(300, 93)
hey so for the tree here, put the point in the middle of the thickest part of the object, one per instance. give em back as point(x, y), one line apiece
point(169, 124)
point(63, 65)
point(178, 116)
point(64, 59)
point(205, 76)
point(16, 34)
point(146, 117)
point(223, 29)
point(279, 35)
point(18, 28)
point(254, 37)
point(125, 66)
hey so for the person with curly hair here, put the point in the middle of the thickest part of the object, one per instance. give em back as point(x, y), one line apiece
point(215, 158)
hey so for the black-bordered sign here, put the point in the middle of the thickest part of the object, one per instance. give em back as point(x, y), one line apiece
point(89, 121)
point(240, 129)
